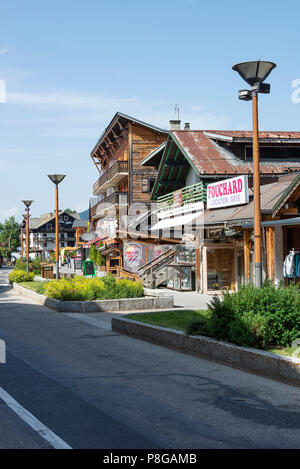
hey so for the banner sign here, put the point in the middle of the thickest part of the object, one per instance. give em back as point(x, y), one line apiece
point(228, 193)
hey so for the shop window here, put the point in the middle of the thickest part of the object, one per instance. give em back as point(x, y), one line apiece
point(185, 255)
point(220, 269)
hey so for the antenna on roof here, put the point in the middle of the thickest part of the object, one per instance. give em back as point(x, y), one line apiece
point(177, 110)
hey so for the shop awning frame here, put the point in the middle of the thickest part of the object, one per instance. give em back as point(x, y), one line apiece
point(285, 222)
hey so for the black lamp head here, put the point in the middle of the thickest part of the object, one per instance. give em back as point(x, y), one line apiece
point(254, 72)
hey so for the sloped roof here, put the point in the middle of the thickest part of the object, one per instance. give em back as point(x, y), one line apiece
point(247, 134)
point(80, 223)
point(125, 118)
point(209, 157)
point(35, 223)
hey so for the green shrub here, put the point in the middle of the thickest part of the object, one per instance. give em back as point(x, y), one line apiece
point(40, 289)
point(260, 317)
point(35, 265)
point(199, 326)
point(19, 276)
point(221, 316)
point(20, 264)
point(83, 289)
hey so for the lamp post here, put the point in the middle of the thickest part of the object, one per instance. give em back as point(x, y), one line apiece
point(23, 227)
point(255, 73)
point(56, 179)
point(27, 204)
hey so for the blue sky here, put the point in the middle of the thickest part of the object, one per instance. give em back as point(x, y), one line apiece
point(68, 66)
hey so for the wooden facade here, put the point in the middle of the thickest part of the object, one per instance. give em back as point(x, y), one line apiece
point(122, 180)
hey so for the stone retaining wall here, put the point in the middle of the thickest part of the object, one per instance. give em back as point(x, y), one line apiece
point(286, 369)
point(126, 304)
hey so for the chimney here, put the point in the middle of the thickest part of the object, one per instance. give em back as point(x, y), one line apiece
point(187, 126)
point(175, 125)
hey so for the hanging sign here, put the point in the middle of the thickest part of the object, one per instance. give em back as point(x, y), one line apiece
point(228, 193)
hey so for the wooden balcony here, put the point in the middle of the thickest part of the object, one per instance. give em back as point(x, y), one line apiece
point(111, 177)
point(116, 198)
point(183, 197)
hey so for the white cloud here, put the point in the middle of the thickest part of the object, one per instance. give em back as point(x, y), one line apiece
point(3, 51)
point(71, 114)
point(9, 212)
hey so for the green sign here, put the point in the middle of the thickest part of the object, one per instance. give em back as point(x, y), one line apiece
point(89, 269)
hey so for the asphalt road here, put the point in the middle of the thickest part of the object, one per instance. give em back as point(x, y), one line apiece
point(97, 389)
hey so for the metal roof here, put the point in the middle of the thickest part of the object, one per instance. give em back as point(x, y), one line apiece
point(208, 157)
point(233, 135)
point(80, 224)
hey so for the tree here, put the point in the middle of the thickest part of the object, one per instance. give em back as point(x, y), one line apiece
point(10, 235)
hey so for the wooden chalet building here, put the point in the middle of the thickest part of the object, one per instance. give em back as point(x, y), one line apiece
point(42, 233)
point(220, 256)
point(122, 190)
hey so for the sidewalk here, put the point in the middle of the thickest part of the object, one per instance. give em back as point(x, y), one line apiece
point(190, 299)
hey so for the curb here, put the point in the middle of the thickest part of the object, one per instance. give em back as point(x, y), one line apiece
point(284, 369)
point(97, 306)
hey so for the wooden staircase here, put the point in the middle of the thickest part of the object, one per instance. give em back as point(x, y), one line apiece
point(154, 273)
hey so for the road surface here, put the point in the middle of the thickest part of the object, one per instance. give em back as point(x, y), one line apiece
point(90, 387)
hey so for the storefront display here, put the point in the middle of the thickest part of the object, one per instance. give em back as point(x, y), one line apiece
point(180, 277)
point(220, 269)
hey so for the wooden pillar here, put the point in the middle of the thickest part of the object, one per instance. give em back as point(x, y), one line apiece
point(22, 244)
point(270, 245)
point(246, 257)
point(198, 262)
point(204, 269)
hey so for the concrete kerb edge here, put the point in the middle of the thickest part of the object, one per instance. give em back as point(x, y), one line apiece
point(284, 369)
point(126, 304)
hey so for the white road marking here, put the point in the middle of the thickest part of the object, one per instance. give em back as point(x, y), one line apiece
point(92, 321)
point(33, 422)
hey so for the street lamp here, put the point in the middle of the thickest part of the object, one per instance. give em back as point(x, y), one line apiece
point(56, 179)
point(255, 73)
point(27, 204)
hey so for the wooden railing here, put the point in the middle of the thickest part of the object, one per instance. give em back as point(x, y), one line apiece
point(112, 199)
point(118, 167)
point(186, 195)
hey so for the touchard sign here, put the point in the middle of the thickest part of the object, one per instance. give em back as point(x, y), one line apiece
point(228, 192)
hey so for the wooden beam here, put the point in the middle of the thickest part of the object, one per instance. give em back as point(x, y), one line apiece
point(173, 164)
point(246, 257)
point(270, 252)
point(171, 183)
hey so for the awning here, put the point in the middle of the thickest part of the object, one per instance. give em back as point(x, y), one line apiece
point(285, 222)
point(67, 248)
point(96, 240)
point(176, 221)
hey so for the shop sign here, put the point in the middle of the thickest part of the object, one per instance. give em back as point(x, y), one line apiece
point(88, 236)
point(177, 199)
point(89, 269)
point(228, 193)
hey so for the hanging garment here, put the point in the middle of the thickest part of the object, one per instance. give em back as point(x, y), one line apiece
point(297, 265)
point(289, 267)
